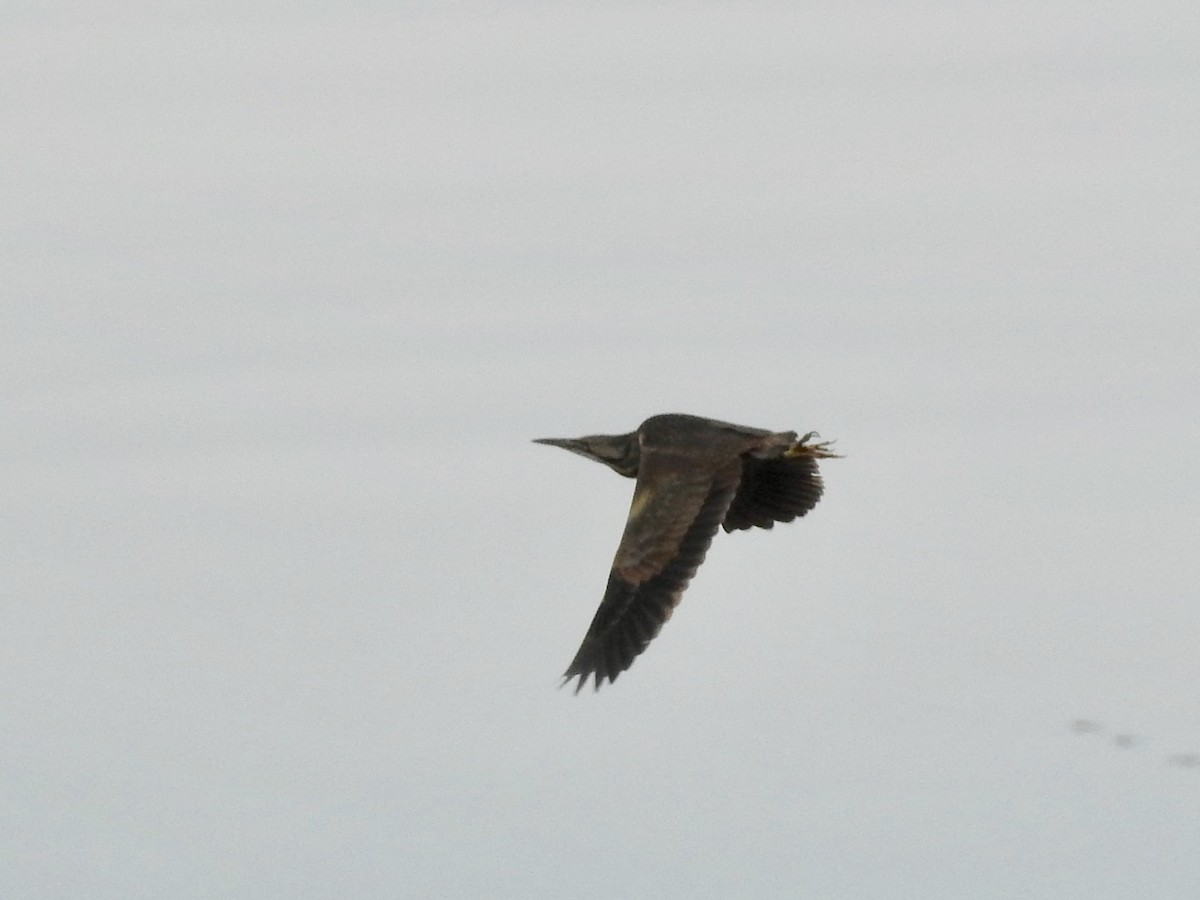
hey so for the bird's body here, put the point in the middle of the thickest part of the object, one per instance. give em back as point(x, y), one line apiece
point(693, 476)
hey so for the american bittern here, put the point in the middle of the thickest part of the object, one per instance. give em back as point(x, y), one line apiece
point(693, 475)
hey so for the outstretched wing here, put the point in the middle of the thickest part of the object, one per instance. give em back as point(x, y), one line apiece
point(675, 513)
point(774, 490)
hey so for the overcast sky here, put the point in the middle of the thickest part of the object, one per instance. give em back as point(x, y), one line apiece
point(288, 591)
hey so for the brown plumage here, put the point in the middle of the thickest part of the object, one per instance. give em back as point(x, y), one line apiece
point(693, 476)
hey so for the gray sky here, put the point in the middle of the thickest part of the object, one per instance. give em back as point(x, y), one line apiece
point(288, 590)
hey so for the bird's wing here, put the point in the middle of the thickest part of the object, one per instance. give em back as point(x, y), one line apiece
point(675, 513)
point(774, 490)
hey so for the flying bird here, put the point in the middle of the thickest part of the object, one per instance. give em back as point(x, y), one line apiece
point(693, 476)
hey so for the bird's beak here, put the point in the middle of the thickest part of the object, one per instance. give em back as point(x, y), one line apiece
point(572, 444)
point(580, 446)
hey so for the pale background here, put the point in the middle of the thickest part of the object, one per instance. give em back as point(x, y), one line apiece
point(287, 289)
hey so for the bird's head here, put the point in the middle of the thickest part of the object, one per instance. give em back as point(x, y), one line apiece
point(620, 452)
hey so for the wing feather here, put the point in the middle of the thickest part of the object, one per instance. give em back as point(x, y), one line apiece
point(774, 490)
point(672, 521)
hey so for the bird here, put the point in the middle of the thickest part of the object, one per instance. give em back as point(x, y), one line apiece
point(694, 475)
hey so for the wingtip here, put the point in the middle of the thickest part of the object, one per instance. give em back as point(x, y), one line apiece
point(573, 674)
point(597, 677)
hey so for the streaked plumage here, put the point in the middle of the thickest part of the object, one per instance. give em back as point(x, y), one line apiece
point(693, 476)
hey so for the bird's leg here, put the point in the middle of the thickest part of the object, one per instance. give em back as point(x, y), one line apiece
point(802, 447)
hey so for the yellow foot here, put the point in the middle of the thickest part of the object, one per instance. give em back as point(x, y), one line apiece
point(802, 447)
